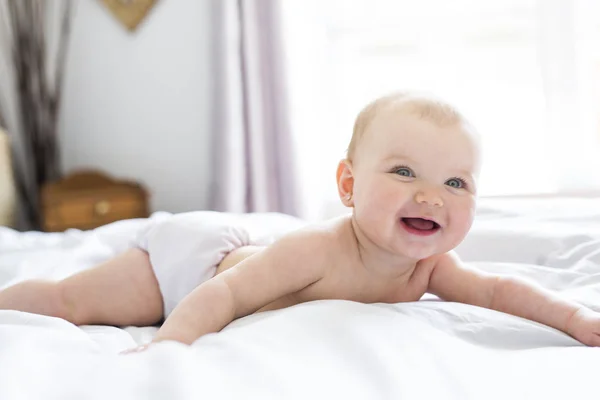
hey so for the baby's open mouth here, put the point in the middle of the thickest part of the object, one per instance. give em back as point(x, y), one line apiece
point(420, 226)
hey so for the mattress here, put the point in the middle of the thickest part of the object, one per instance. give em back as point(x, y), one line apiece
point(323, 349)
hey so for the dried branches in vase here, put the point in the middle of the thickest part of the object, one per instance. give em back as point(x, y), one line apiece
point(37, 67)
point(2, 119)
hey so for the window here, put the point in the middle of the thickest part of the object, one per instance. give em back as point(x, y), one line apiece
point(523, 71)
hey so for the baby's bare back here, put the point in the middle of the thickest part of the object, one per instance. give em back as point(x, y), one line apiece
point(345, 275)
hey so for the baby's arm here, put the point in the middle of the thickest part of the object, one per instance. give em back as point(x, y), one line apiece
point(453, 281)
point(289, 265)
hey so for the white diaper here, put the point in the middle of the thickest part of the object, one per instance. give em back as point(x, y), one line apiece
point(185, 249)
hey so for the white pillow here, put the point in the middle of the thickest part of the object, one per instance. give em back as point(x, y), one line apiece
point(531, 231)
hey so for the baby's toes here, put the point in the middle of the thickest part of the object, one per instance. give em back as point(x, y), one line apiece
point(590, 339)
point(595, 340)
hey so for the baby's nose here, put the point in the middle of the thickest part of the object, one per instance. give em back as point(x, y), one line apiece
point(429, 197)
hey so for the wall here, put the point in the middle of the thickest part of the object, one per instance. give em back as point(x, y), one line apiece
point(136, 105)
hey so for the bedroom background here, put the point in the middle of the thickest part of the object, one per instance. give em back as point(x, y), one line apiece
point(151, 105)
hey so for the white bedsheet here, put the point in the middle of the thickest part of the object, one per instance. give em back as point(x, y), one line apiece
point(327, 349)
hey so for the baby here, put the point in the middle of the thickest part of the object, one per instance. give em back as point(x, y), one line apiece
point(410, 178)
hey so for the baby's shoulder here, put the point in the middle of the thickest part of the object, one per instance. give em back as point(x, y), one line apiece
point(323, 234)
point(319, 240)
point(447, 259)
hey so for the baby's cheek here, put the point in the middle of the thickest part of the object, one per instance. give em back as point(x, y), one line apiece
point(463, 227)
point(374, 199)
point(461, 221)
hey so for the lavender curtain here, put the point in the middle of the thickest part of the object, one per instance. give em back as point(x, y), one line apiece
point(253, 159)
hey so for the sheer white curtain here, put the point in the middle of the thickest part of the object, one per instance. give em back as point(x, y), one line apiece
point(524, 71)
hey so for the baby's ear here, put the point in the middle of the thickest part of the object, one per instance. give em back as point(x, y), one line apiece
point(345, 181)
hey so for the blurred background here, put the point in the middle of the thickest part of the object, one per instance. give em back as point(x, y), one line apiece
point(116, 109)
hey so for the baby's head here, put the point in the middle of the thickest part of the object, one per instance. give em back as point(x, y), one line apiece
point(411, 174)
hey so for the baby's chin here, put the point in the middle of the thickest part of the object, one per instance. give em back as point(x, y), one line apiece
point(420, 253)
point(416, 253)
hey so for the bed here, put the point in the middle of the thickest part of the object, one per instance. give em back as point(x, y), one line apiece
point(326, 349)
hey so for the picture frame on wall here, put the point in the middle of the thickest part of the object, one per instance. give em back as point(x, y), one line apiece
point(129, 13)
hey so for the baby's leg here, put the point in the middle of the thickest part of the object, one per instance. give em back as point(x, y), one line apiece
point(121, 291)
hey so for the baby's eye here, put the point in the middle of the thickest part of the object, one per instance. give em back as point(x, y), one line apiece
point(404, 171)
point(456, 183)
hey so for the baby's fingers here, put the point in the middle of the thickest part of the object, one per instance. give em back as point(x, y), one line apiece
point(138, 349)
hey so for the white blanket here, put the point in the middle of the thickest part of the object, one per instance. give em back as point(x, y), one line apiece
point(327, 349)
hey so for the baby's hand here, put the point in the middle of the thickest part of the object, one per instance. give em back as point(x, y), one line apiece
point(585, 327)
point(138, 349)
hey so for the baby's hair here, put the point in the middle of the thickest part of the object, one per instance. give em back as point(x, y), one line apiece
point(420, 105)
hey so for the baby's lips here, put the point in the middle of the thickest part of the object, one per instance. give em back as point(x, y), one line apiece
point(428, 218)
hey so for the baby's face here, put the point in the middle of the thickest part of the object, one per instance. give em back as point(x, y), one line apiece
point(415, 184)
